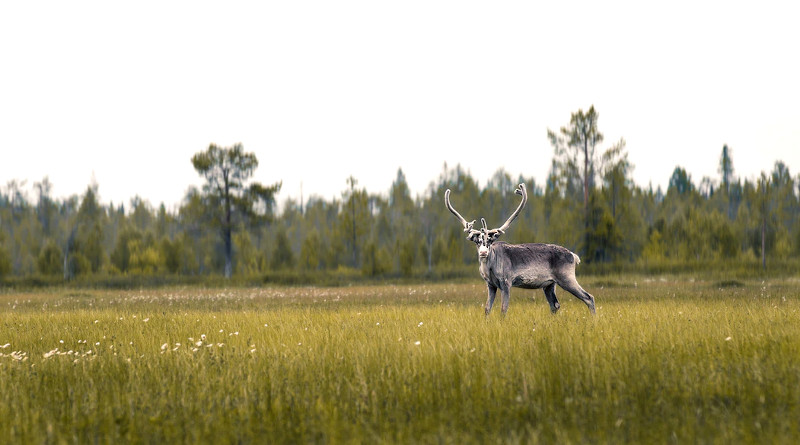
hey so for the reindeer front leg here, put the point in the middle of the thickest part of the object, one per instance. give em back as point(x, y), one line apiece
point(490, 300)
point(505, 292)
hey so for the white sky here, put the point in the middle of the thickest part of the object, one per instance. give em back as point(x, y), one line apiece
point(128, 92)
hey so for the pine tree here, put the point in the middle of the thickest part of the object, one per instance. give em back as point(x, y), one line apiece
point(227, 194)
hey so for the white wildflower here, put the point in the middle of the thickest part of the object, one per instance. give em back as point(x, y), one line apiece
point(164, 347)
point(417, 342)
point(18, 356)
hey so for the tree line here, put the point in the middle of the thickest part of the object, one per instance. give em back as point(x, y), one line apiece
point(230, 227)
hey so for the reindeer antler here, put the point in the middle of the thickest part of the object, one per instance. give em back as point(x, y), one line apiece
point(520, 190)
point(467, 225)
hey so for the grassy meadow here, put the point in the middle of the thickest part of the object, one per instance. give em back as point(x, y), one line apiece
point(664, 361)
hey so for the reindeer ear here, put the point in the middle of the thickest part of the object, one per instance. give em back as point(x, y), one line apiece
point(494, 234)
point(474, 236)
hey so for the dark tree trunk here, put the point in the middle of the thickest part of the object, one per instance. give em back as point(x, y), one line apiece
point(586, 192)
point(226, 231)
point(764, 243)
point(228, 252)
point(353, 216)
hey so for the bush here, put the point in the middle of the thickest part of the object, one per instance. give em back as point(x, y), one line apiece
point(5, 262)
point(50, 260)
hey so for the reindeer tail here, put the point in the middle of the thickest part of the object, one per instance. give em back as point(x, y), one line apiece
point(577, 258)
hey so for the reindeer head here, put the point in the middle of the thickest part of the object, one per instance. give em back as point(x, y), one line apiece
point(484, 237)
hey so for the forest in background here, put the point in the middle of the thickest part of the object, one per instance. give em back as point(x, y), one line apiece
point(230, 228)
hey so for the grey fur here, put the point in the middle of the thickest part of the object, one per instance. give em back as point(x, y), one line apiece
point(527, 266)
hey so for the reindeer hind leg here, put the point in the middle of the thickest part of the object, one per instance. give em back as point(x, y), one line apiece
point(571, 285)
point(550, 294)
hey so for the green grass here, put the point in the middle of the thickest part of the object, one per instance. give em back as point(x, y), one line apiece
point(663, 361)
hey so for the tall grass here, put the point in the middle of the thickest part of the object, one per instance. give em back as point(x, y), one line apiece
point(661, 362)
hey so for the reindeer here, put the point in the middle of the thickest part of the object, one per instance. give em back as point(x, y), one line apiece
point(527, 266)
